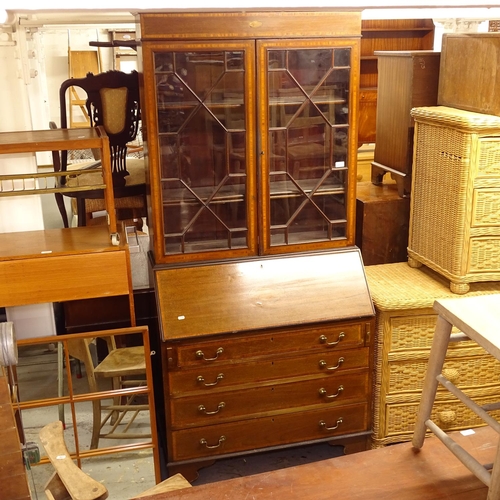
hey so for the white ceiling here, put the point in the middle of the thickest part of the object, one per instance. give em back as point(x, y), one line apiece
point(40, 12)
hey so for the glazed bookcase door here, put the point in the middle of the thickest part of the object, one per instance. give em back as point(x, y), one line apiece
point(202, 167)
point(307, 141)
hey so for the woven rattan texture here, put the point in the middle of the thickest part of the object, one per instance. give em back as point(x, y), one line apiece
point(396, 287)
point(405, 324)
point(439, 195)
point(399, 419)
point(455, 203)
point(457, 119)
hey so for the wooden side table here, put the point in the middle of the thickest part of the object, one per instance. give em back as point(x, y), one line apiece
point(478, 319)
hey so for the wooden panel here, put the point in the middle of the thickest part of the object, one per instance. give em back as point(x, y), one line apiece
point(49, 140)
point(12, 472)
point(392, 473)
point(264, 432)
point(407, 79)
point(186, 381)
point(55, 279)
point(382, 223)
point(236, 297)
point(464, 81)
point(170, 25)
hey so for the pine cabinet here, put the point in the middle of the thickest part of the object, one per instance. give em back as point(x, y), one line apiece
point(250, 125)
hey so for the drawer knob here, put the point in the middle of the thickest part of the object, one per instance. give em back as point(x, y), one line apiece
point(204, 442)
point(203, 409)
point(323, 425)
point(452, 374)
point(323, 392)
point(201, 355)
point(447, 416)
point(324, 339)
point(200, 379)
point(323, 363)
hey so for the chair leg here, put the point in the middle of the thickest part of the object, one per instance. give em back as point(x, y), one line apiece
point(96, 426)
point(80, 207)
point(434, 368)
point(62, 208)
point(494, 489)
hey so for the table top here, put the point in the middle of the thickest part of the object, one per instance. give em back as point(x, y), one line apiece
point(478, 317)
point(51, 140)
point(49, 242)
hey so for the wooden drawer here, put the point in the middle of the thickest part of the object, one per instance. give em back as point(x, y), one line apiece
point(272, 398)
point(269, 431)
point(227, 349)
point(210, 378)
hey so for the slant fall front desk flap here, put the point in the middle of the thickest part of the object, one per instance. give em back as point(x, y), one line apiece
point(264, 293)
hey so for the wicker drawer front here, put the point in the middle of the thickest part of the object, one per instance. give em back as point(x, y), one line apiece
point(268, 431)
point(413, 332)
point(488, 164)
point(450, 415)
point(484, 254)
point(205, 409)
point(486, 207)
point(209, 378)
point(325, 339)
point(465, 372)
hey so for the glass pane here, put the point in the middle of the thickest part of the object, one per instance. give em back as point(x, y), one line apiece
point(308, 133)
point(203, 150)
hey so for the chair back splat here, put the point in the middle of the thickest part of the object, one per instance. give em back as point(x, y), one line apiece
point(112, 102)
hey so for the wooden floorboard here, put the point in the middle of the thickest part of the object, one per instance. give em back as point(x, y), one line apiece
point(396, 472)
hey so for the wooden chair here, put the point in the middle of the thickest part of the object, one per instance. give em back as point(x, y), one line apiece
point(70, 482)
point(113, 102)
point(477, 318)
point(119, 364)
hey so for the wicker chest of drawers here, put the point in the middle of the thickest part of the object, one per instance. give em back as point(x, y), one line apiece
point(265, 354)
point(405, 322)
point(455, 199)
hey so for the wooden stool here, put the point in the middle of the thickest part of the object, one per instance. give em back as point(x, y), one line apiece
point(478, 318)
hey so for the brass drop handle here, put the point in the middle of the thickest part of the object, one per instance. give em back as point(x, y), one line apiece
point(203, 409)
point(322, 424)
point(324, 339)
point(200, 379)
point(200, 354)
point(323, 363)
point(323, 392)
point(204, 442)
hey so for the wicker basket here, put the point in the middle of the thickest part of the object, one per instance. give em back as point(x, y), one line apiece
point(405, 324)
point(455, 199)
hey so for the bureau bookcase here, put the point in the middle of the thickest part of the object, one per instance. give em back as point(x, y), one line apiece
point(265, 316)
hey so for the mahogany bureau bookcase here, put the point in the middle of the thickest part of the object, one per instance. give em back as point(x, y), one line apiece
point(251, 123)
